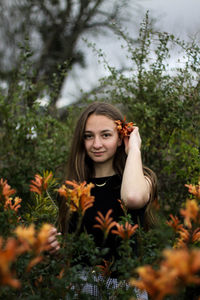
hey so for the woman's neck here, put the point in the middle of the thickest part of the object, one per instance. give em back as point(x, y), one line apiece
point(102, 170)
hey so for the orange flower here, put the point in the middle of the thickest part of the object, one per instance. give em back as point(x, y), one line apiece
point(38, 280)
point(125, 232)
point(8, 254)
point(34, 262)
point(190, 213)
point(196, 235)
point(5, 190)
point(184, 238)
point(105, 223)
point(13, 204)
point(40, 184)
point(61, 273)
point(185, 263)
point(123, 206)
point(179, 267)
point(79, 197)
point(63, 192)
point(37, 242)
point(124, 128)
point(156, 283)
point(27, 240)
point(105, 270)
point(26, 234)
point(174, 223)
point(42, 238)
point(195, 190)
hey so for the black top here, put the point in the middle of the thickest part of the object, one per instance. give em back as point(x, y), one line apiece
point(106, 197)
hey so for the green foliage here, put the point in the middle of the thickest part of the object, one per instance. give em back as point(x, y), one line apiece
point(31, 140)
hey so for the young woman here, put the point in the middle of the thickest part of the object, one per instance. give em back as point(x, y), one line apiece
point(114, 165)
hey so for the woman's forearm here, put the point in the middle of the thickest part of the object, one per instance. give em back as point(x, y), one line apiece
point(135, 189)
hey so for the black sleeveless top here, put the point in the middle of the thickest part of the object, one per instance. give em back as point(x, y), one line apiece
point(106, 197)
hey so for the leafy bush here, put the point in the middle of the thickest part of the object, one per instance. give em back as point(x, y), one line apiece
point(29, 272)
point(31, 139)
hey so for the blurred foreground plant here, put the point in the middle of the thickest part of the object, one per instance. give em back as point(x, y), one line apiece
point(180, 268)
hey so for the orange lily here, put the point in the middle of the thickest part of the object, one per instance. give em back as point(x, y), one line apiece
point(191, 212)
point(125, 231)
point(174, 223)
point(105, 270)
point(123, 207)
point(79, 197)
point(37, 242)
point(26, 234)
point(195, 190)
point(179, 266)
point(13, 204)
point(156, 283)
point(42, 238)
point(124, 128)
point(5, 190)
point(184, 238)
point(185, 263)
point(8, 254)
point(40, 184)
point(34, 242)
point(196, 235)
point(105, 223)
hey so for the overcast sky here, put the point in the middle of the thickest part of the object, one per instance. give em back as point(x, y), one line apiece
point(180, 17)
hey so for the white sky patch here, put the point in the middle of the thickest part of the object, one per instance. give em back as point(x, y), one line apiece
point(179, 17)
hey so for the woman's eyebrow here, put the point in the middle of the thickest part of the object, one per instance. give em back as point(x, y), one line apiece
point(104, 130)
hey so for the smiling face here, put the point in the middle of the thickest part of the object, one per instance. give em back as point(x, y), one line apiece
point(101, 139)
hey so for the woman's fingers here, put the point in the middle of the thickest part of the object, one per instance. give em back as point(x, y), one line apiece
point(133, 140)
point(52, 242)
point(54, 247)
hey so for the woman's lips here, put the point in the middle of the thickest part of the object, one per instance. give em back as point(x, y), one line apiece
point(98, 153)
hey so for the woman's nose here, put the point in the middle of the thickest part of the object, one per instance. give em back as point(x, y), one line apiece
point(97, 142)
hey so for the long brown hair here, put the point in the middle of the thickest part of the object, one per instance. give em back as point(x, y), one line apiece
point(80, 166)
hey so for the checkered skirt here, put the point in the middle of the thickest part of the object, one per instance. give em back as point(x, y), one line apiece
point(92, 289)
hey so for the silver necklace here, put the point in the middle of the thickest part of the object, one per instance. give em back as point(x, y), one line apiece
point(102, 184)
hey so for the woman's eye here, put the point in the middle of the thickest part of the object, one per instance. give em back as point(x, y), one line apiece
point(106, 135)
point(87, 136)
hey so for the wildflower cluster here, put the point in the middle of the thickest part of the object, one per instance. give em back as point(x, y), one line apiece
point(188, 233)
point(179, 268)
point(106, 224)
point(105, 268)
point(78, 197)
point(124, 128)
point(41, 183)
point(181, 265)
point(26, 240)
point(125, 231)
point(6, 201)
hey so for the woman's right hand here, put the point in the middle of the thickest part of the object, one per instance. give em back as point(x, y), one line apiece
point(132, 141)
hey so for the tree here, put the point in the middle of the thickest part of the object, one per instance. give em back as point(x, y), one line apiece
point(53, 29)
